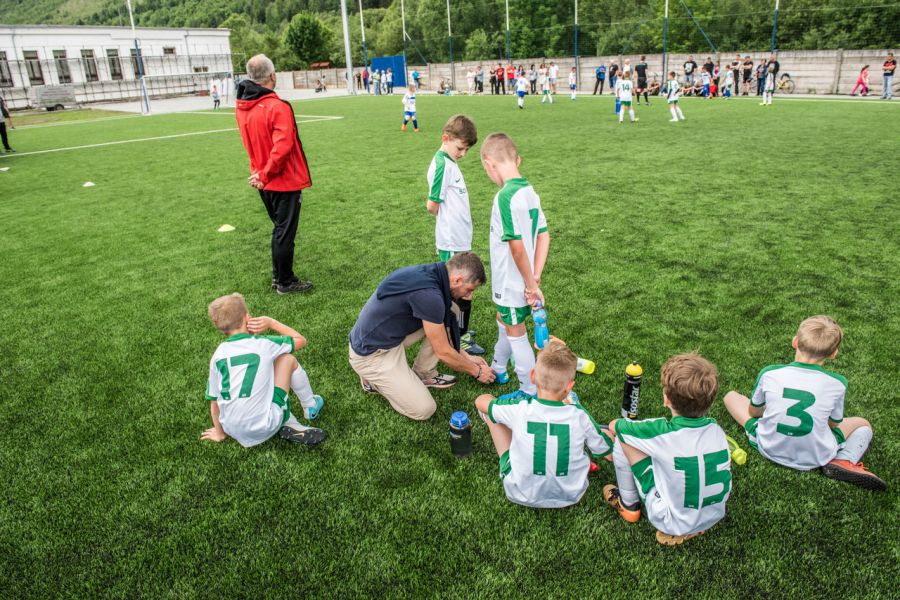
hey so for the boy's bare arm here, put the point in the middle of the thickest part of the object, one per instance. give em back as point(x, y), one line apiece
point(214, 433)
point(756, 411)
point(433, 207)
point(541, 251)
point(520, 256)
point(261, 324)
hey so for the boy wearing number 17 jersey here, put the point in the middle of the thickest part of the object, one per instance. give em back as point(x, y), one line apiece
point(795, 416)
point(680, 468)
point(541, 440)
point(249, 379)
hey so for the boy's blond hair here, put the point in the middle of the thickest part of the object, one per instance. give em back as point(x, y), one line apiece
point(462, 128)
point(227, 312)
point(499, 147)
point(691, 383)
point(819, 337)
point(555, 367)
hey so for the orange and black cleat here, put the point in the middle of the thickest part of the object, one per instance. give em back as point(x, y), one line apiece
point(857, 474)
point(611, 495)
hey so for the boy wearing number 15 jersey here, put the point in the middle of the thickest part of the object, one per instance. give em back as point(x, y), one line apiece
point(795, 415)
point(541, 440)
point(680, 469)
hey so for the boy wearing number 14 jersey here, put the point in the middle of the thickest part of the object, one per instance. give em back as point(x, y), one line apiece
point(795, 416)
point(680, 469)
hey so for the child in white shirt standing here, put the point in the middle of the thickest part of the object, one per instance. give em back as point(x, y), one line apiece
point(573, 82)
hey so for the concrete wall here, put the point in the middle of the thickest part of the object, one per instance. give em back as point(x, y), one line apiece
point(813, 71)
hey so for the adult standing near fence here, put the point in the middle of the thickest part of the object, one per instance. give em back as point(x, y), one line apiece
point(553, 76)
point(501, 79)
point(600, 73)
point(510, 77)
point(613, 75)
point(760, 76)
point(532, 79)
point(411, 304)
point(416, 77)
point(390, 81)
point(365, 78)
point(278, 167)
point(4, 115)
point(709, 65)
point(479, 80)
point(689, 68)
point(890, 65)
point(773, 62)
point(746, 75)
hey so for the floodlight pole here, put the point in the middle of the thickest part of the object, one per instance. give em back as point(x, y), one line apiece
point(450, 44)
point(665, 57)
point(145, 105)
point(403, 23)
point(508, 55)
point(362, 28)
point(577, 65)
point(774, 25)
point(351, 89)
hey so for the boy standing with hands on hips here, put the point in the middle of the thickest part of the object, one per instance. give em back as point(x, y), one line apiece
point(520, 243)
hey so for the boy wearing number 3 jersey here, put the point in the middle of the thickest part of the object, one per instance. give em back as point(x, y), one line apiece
point(795, 415)
point(249, 379)
point(680, 469)
point(541, 439)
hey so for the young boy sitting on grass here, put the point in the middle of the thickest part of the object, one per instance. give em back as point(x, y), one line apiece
point(679, 468)
point(249, 378)
point(541, 440)
point(795, 415)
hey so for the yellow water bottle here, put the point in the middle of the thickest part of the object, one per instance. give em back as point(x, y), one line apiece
point(585, 366)
point(738, 455)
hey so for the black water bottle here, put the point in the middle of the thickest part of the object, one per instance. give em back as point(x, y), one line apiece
point(460, 434)
point(631, 396)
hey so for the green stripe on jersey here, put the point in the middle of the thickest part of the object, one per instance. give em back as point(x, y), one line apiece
point(279, 339)
point(643, 473)
point(820, 369)
point(440, 161)
point(602, 433)
point(504, 203)
point(504, 402)
point(651, 428)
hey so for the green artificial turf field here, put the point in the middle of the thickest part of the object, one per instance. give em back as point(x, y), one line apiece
point(719, 234)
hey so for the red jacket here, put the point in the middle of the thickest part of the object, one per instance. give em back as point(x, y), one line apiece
point(270, 136)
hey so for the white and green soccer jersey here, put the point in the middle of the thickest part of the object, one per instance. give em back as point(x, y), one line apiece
point(516, 215)
point(686, 478)
point(623, 89)
point(673, 91)
point(453, 227)
point(799, 399)
point(546, 466)
point(242, 381)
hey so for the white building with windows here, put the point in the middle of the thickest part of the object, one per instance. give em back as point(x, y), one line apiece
point(101, 63)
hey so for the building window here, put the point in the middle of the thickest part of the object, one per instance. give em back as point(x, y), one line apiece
point(115, 65)
point(201, 69)
point(5, 74)
point(62, 66)
point(168, 50)
point(90, 65)
point(137, 64)
point(33, 66)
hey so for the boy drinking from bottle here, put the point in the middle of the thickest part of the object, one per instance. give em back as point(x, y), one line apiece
point(448, 200)
point(541, 440)
point(520, 243)
point(795, 415)
point(249, 378)
point(680, 468)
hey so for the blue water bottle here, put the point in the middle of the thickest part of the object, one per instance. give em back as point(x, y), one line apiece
point(541, 331)
point(460, 434)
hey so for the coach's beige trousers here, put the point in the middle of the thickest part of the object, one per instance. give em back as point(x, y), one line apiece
point(389, 373)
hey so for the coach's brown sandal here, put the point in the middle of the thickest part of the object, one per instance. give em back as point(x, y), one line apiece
point(676, 540)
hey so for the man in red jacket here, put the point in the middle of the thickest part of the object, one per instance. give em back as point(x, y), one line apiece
point(277, 164)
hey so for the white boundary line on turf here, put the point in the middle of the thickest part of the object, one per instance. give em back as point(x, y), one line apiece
point(78, 122)
point(149, 139)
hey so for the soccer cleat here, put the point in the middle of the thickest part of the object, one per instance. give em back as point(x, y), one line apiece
point(857, 474)
point(308, 436)
point(416, 130)
point(294, 288)
point(312, 412)
point(674, 540)
point(611, 495)
point(501, 377)
point(440, 381)
point(275, 282)
point(403, 128)
point(673, 120)
point(593, 468)
point(467, 343)
point(517, 395)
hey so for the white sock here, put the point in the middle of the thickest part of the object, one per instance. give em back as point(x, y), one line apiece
point(551, 98)
point(573, 95)
point(631, 114)
point(856, 445)
point(674, 114)
point(544, 99)
point(624, 477)
point(293, 423)
point(301, 387)
point(502, 350)
point(680, 114)
point(521, 101)
point(621, 115)
point(524, 355)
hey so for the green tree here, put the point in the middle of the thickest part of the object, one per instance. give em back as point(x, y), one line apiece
point(307, 38)
point(478, 46)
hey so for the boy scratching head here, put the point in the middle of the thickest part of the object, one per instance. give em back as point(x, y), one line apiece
point(554, 373)
point(229, 314)
point(690, 384)
point(459, 134)
point(500, 158)
point(818, 339)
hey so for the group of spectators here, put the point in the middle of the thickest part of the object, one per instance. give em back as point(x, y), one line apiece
point(862, 82)
point(502, 78)
point(745, 73)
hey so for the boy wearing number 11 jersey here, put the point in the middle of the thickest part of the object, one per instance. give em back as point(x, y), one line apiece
point(680, 468)
point(795, 416)
point(541, 439)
